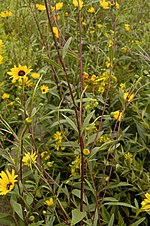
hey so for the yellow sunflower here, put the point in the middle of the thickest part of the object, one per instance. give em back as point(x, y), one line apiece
point(19, 73)
point(6, 14)
point(29, 158)
point(7, 181)
point(44, 89)
point(146, 203)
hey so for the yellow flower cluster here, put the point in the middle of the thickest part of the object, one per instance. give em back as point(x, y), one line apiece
point(75, 3)
point(128, 96)
point(58, 6)
point(118, 115)
point(91, 103)
point(45, 155)
point(75, 166)
point(58, 139)
point(95, 83)
point(104, 138)
point(107, 4)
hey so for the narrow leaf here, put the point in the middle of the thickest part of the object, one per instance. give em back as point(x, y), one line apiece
point(111, 222)
point(72, 124)
point(87, 120)
point(119, 204)
point(66, 47)
point(138, 221)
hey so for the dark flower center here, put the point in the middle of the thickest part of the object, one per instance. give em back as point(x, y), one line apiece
point(8, 185)
point(21, 73)
point(43, 90)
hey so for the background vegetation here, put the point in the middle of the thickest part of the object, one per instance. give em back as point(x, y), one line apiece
point(76, 132)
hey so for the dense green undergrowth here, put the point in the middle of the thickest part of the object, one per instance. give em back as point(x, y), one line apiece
point(74, 113)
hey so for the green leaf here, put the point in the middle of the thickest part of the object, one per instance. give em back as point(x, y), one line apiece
point(52, 62)
point(92, 138)
point(3, 215)
point(87, 120)
point(62, 121)
point(77, 193)
point(105, 214)
point(39, 223)
point(72, 124)
point(17, 208)
point(111, 222)
point(138, 221)
point(77, 216)
point(66, 47)
point(29, 199)
point(119, 204)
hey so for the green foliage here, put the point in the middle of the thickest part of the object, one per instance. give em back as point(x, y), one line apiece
point(88, 89)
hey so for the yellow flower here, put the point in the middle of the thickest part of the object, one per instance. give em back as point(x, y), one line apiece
point(84, 23)
point(118, 115)
point(59, 6)
point(11, 103)
point(86, 151)
point(7, 181)
point(104, 138)
point(107, 63)
point(122, 86)
point(44, 89)
point(40, 7)
point(45, 155)
point(125, 48)
point(117, 5)
point(109, 43)
point(1, 59)
point(28, 120)
point(128, 156)
point(29, 159)
point(49, 202)
point(75, 166)
point(6, 13)
point(99, 25)
point(56, 32)
point(127, 96)
point(75, 3)
point(93, 79)
point(66, 14)
point(146, 203)
point(91, 10)
point(1, 43)
point(5, 96)
point(58, 137)
point(127, 27)
point(35, 75)
point(19, 73)
point(104, 4)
